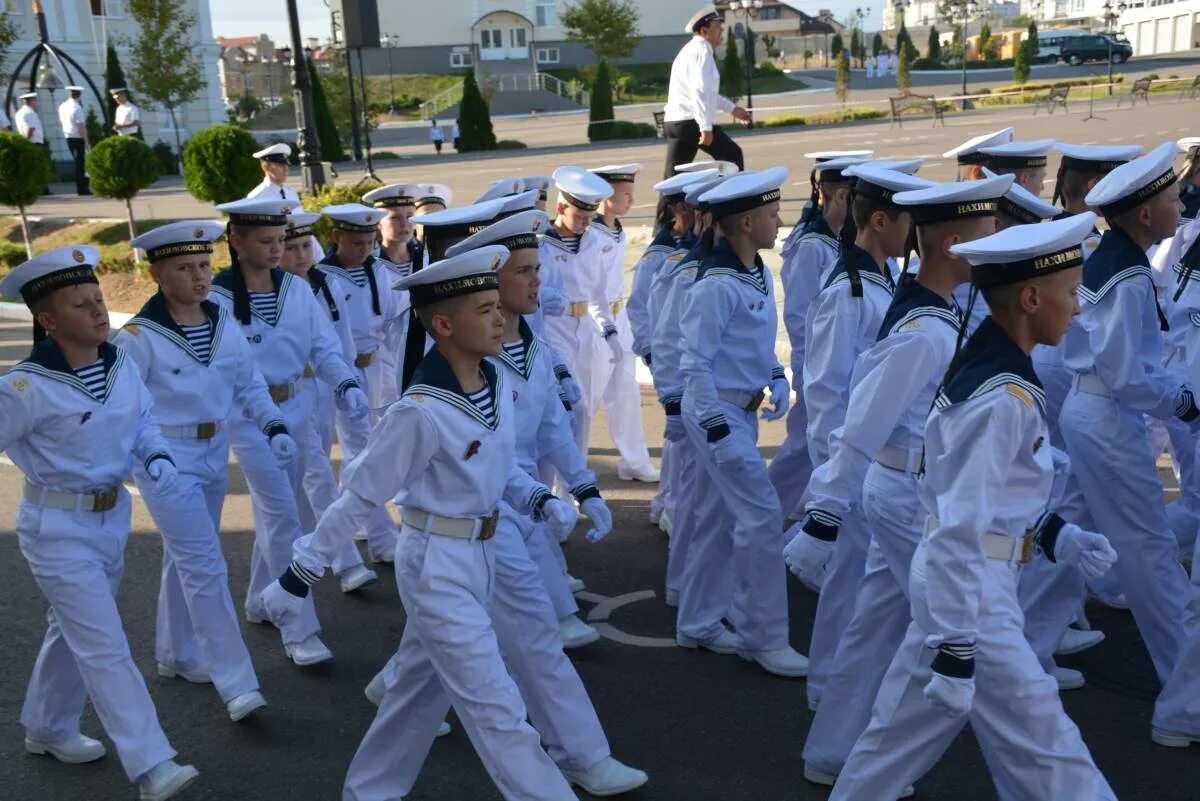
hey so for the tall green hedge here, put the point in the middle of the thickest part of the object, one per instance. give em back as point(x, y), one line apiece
point(219, 164)
point(600, 115)
point(474, 118)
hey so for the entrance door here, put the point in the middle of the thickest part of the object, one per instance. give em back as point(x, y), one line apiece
point(518, 43)
point(491, 44)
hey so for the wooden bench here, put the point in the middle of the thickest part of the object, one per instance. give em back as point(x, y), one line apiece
point(1141, 88)
point(1193, 91)
point(919, 104)
point(659, 116)
point(1057, 96)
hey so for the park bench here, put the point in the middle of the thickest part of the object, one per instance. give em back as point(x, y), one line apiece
point(920, 104)
point(1141, 88)
point(1057, 96)
point(1193, 91)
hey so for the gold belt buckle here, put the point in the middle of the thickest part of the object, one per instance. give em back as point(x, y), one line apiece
point(206, 431)
point(756, 401)
point(487, 528)
point(579, 308)
point(280, 393)
point(1028, 543)
point(105, 501)
point(308, 371)
point(363, 360)
point(617, 305)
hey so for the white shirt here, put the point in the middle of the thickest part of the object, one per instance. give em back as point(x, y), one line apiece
point(127, 113)
point(70, 117)
point(436, 135)
point(27, 120)
point(270, 189)
point(692, 94)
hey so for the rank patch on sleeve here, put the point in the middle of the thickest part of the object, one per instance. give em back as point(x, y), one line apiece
point(1019, 392)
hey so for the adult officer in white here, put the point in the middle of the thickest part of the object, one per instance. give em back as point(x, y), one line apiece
point(128, 119)
point(279, 317)
point(728, 326)
point(969, 156)
point(274, 162)
point(27, 121)
point(73, 123)
point(200, 372)
point(73, 417)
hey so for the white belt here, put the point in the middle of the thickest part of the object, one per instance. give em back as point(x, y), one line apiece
point(747, 401)
point(906, 460)
point(999, 546)
point(1091, 385)
point(102, 501)
point(462, 528)
point(198, 431)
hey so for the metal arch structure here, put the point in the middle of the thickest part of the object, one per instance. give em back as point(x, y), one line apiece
point(45, 50)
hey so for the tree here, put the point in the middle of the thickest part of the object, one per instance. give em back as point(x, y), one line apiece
point(95, 128)
point(843, 77)
point(903, 37)
point(1032, 37)
point(609, 28)
point(25, 169)
point(989, 47)
point(164, 57)
point(1021, 63)
point(327, 130)
point(904, 69)
point(856, 46)
point(600, 116)
point(120, 167)
point(836, 46)
point(935, 45)
point(114, 78)
point(219, 164)
point(475, 118)
point(733, 74)
point(807, 55)
point(8, 35)
point(877, 45)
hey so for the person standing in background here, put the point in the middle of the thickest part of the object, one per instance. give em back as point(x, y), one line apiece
point(437, 136)
point(127, 121)
point(74, 127)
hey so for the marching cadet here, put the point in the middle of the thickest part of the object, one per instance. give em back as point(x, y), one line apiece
point(1190, 176)
point(614, 377)
point(986, 486)
point(1115, 348)
point(812, 246)
point(274, 163)
point(73, 417)
point(320, 485)
point(969, 156)
point(200, 372)
point(875, 457)
point(813, 204)
point(446, 452)
point(280, 319)
point(728, 324)
point(430, 198)
point(1026, 161)
point(844, 321)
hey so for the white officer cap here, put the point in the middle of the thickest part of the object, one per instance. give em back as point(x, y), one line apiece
point(1021, 204)
point(260, 211)
point(615, 173)
point(456, 224)
point(831, 169)
point(826, 155)
point(1023, 252)
point(881, 183)
point(29, 96)
point(73, 88)
point(675, 188)
point(954, 201)
point(464, 274)
point(1188, 143)
point(300, 223)
point(697, 190)
point(433, 193)
point(505, 187)
point(906, 166)
point(580, 188)
point(706, 14)
point(745, 192)
point(1134, 182)
point(518, 232)
point(1096, 158)
point(723, 168)
point(179, 238)
point(120, 90)
point(392, 196)
point(276, 154)
point(48, 272)
point(968, 151)
point(353, 217)
point(1018, 155)
point(542, 183)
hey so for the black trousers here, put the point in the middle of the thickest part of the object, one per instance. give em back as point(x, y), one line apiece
point(683, 141)
point(75, 145)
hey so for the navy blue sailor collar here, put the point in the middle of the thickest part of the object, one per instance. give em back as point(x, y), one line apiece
point(529, 341)
point(867, 268)
point(665, 239)
point(434, 377)
point(223, 281)
point(331, 260)
point(1191, 201)
point(613, 230)
point(722, 256)
point(1116, 257)
point(154, 315)
point(818, 225)
point(990, 359)
point(47, 359)
point(913, 299)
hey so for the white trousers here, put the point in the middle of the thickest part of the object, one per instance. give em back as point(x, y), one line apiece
point(1033, 749)
point(792, 466)
point(1112, 461)
point(352, 434)
point(77, 559)
point(835, 604)
point(617, 388)
point(197, 625)
point(575, 340)
point(450, 649)
point(690, 486)
point(664, 500)
point(546, 553)
point(746, 553)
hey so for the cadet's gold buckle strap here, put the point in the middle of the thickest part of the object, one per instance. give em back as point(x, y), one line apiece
point(462, 528)
point(282, 393)
point(901, 459)
point(617, 305)
point(747, 401)
point(363, 360)
point(309, 372)
point(198, 431)
point(578, 308)
point(72, 501)
point(1000, 546)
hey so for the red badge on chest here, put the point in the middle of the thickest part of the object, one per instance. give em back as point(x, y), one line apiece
point(472, 449)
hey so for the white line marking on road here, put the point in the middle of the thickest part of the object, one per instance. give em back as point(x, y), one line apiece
point(605, 606)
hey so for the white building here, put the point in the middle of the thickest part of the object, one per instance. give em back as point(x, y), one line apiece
point(1152, 26)
point(83, 29)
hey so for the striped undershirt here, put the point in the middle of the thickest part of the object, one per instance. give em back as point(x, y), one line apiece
point(263, 304)
point(759, 279)
point(482, 401)
point(516, 352)
point(93, 377)
point(572, 243)
point(358, 275)
point(200, 338)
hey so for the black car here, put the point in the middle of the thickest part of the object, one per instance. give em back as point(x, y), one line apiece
point(1078, 49)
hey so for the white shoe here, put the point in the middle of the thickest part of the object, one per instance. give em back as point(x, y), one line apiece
point(358, 577)
point(1171, 739)
point(724, 643)
point(360, 535)
point(671, 598)
point(1076, 640)
point(310, 652)
point(644, 475)
point(166, 780)
point(1117, 602)
point(813, 703)
point(245, 704)
point(194, 676)
point(385, 558)
point(75, 751)
point(256, 618)
point(786, 662)
point(828, 779)
point(607, 777)
point(656, 511)
point(376, 688)
point(575, 584)
point(443, 729)
point(665, 523)
point(575, 633)
point(1067, 678)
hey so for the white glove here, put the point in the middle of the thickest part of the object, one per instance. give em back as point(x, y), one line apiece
point(572, 388)
point(725, 451)
point(614, 345)
point(1087, 549)
point(807, 557)
point(674, 432)
point(781, 398)
point(284, 448)
point(950, 694)
point(553, 302)
point(281, 606)
point(164, 474)
point(560, 518)
point(354, 402)
point(597, 511)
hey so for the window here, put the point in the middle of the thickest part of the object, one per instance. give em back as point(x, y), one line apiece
point(516, 38)
point(770, 12)
point(547, 13)
point(461, 58)
point(108, 8)
point(547, 55)
point(491, 38)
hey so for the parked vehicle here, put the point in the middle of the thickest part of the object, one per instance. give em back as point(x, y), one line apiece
point(1078, 49)
point(1050, 42)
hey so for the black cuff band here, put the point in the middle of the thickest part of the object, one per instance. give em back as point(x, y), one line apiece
point(1046, 533)
point(955, 667)
point(820, 531)
point(718, 432)
point(344, 386)
point(673, 408)
point(273, 428)
point(154, 457)
point(291, 581)
point(585, 491)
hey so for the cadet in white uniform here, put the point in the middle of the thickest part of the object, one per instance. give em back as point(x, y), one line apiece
point(728, 324)
point(1025, 161)
point(987, 482)
point(1115, 348)
point(970, 159)
point(286, 329)
point(73, 417)
point(28, 123)
point(200, 372)
point(446, 450)
point(875, 457)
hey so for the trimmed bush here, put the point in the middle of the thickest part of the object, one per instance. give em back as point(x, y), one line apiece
point(219, 164)
point(628, 129)
point(510, 144)
point(475, 118)
point(601, 112)
point(331, 194)
point(120, 167)
point(25, 169)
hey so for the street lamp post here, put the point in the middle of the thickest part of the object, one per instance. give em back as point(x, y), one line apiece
point(389, 41)
point(312, 172)
point(749, 10)
point(968, 6)
point(1111, 15)
point(269, 63)
point(862, 36)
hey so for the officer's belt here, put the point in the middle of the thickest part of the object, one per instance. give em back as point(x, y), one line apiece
point(617, 305)
point(72, 501)
point(363, 360)
point(282, 393)
point(462, 528)
point(999, 546)
point(1091, 385)
point(578, 308)
point(748, 401)
point(197, 431)
point(905, 460)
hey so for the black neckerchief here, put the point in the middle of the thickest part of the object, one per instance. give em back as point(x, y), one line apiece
point(867, 268)
point(226, 278)
point(368, 266)
point(316, 279)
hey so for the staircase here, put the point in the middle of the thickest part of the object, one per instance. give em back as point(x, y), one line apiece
point(511, 88)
